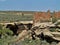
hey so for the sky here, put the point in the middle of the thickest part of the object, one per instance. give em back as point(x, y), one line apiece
point(30, 5)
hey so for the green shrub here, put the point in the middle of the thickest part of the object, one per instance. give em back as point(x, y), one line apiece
point(52, 29)
point(6, 31)
point(54, 19)
point(6, 38)
point(1, 26)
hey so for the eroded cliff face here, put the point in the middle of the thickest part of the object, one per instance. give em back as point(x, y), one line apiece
point(42, 16)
